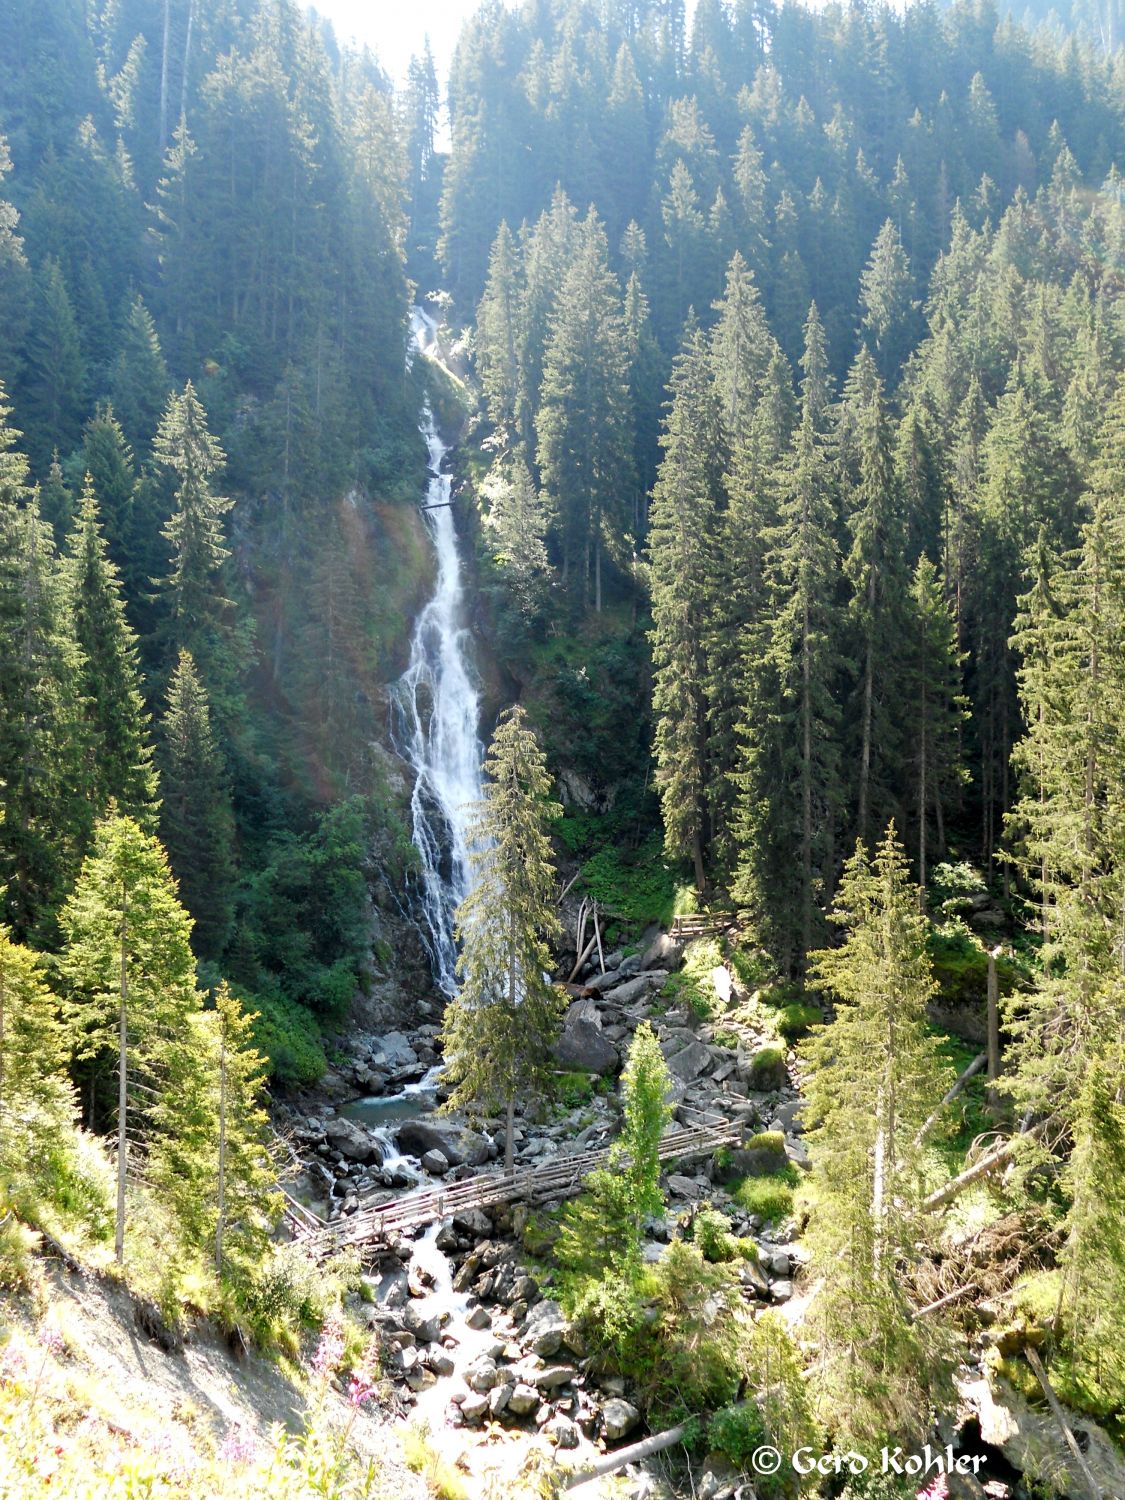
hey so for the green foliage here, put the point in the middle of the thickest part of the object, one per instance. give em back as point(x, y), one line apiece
point(770, 1197)
point(795, 1020)
point(767, 1069)
point(710, 1230)
point(639, 887)
point(290, 1039)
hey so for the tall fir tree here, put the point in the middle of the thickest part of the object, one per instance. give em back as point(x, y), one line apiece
point(130, 973)
point(499, 1030)
point(118, 754)
point(196, 821)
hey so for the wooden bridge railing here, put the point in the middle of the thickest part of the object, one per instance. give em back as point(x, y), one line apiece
point(558, 1176)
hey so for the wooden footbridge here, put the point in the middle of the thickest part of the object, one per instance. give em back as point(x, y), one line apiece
point(559, 1177)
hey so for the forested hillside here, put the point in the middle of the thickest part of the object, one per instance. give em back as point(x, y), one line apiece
point(210, 441)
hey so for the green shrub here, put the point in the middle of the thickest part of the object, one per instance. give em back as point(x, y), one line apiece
point(794, 1020)
point(729, 1039)
point(711, 1232)
point(767, 1070)
point(638, 887)
point(766, 1140)
point(738, 1432)
point(771, 1198)
point(290, 1038)
point(574, 1089)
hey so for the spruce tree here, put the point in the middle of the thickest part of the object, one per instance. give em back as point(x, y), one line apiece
point(139, 382)
point(583, 424)
point(211, 1159)
point(499, 1030)
point(517, 521)
point(876, 1077)
point(118, 754)
point(936, 710)
point(195, 530)
point(130, 974)
point(36, 1098)
point(54, 382)
point(682, 537)
point(497, 342)
point(196, 822)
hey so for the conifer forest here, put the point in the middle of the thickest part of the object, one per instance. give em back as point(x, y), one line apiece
point(562, 750)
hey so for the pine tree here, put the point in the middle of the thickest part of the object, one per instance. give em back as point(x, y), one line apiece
point(196, 822)
point(211, 1158)
point(54, 382)
point(885, 299)
point(108, 464)
point(933, 684)
point(118, 754)
point(128, 964)
point(56, 504)
point(499, 1031)
point(682, 529)
point(36, 1098)
point(585, 437)
point(876, 1078)
point(195, 531)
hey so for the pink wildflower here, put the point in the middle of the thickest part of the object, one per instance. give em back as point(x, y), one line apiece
point(239, 1446)
point(938, 1489)
point(330, 1349)
point(52, 1340)
point(360, 1388)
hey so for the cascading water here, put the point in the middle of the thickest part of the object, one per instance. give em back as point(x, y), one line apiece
point(438, 715)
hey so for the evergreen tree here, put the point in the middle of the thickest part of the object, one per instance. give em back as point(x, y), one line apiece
point(518, 520)
point(885, 299)
point(196, 822)
point(583, 427)
point(681, 548)
point(128, 964)
point(498, 334)
point(211, 1158)
point(108, 465)
point(876, 1079)
point(43, 810)
point(36, 1099)
point(499, 1031)
point(933, 681)
point(195, 531)
point(139, 383)
point(118, 755)
point(54, 381)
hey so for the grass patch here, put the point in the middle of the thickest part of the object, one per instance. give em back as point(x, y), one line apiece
point(691, 984)
point(794, 1020)
point(771, 1198)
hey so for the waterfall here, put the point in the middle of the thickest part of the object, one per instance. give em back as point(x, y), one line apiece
point(437, 715)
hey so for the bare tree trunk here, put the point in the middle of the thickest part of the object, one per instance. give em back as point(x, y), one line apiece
point(187, 60)
point(510, 1136)
point(220, 1224)
point(122, 1079)
point(993, 1029)
point(164, 77)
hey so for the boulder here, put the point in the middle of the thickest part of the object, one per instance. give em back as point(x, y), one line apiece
point(457, 1144)
point(561, 1431)
point(690, 1062)
point(765, 1071)
point(619, 1418)
point(718, 1479)
point(663, 953)
point(523, 1400)
point(435, 1162)
point(498, 1398)
point(353, 1142)
point(474, 1222)
point(636, 989)
point(473, 1407)
point(478, 1317)
point(582, 1048)
point(481, 1376)
point(554, 1375)
point(394, 1053)
point(545, 1331)
point(606, 981)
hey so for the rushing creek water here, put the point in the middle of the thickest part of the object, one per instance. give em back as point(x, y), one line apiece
point(437, 723)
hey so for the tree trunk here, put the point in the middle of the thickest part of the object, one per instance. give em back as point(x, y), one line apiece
point(220, 1223)
point(187, 60)
point(122, 1079)
point(993, 1030)
point(806, 788)
point(164, 77)
point(697, 860)
point(510, 1136)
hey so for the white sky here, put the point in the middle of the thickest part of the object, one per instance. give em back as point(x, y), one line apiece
point(395, 29)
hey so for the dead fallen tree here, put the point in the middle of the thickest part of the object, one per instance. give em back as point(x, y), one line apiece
point(999, 1156)
point(635, 1453)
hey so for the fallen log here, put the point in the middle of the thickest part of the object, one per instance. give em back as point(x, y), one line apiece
point(971, 1071)
point(954, 1296)
point(633, 1454)
point(1063, 1425)
point(988, 1163)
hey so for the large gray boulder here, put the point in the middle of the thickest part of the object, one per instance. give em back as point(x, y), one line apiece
point(619, 1418)
point(545, 1331)
point(352, 1141)
point(394, 1053)
point(456, 1143)
point(582, 1046)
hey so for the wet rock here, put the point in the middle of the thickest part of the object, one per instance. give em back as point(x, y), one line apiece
point(353, 1142)
point(473, 1221)
point(435, 1162)
point(394, 1053)
point(619, 1417)
point(425, 1329)
point(446, 1237)
point(523, 1400)
point(457, 1145)
point(478, 1317)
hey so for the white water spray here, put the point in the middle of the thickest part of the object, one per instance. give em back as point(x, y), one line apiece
point(438, 705)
